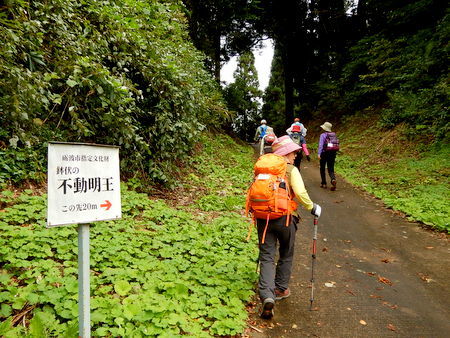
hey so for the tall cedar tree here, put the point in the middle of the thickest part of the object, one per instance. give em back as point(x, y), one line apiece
point(274, 100)
point(222, 28)
point(243, 96)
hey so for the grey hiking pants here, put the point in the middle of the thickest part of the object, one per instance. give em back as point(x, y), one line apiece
point(275, 275)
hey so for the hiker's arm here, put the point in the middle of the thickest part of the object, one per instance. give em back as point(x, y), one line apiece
point(321, 141)
point(257, 134)
point(299, 189)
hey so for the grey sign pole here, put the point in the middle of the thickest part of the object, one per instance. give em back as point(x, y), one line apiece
point(84, 317)
point(96, 198)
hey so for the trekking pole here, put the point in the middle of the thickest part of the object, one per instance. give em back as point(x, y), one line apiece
point(316, 219)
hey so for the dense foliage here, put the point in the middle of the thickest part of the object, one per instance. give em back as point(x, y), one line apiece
point(161, 270)
point(386, 54)
point(406, 72)
point(115, 72)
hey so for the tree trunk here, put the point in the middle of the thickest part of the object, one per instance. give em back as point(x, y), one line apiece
point(217, 57)
point(288, 86)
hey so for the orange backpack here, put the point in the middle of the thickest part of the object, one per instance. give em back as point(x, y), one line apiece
point(269, 196)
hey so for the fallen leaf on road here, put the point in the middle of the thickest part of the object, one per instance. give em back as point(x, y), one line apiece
point(384, 280)
point(371, 273)
point(385, 260)
point(424, 277)
point(347, 241)
point(330, 285)
point(294, 326)
point(349, 308)
point(338, 266)
point(351, 292)
point(255, 328)
point(362, 322)
point(375, 296)
point(391, 327)
point(429, 247)
point(325, 249)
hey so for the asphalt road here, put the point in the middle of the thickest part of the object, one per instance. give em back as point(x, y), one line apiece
point(376, 274)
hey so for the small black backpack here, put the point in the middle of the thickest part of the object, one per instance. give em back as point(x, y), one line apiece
point(296, 137)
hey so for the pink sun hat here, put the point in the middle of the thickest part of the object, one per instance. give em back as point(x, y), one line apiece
point(284, 145)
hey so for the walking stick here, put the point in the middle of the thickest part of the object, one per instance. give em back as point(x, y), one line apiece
point(316, 220)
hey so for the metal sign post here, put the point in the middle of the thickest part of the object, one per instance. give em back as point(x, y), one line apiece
point(84, 315)
point(83, 187)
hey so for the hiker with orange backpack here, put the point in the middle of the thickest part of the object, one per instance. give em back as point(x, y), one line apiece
point(272, 201)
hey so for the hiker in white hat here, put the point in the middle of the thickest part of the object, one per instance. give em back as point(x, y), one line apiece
point(328, 147)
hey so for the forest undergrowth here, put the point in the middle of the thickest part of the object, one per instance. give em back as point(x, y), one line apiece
point(174, 266)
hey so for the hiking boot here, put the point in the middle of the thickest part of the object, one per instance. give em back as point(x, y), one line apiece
point(267, 310)
point(333, 183)
point(282, 294)
point(323, 186)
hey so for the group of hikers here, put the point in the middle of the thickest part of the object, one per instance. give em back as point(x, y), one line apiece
point(272, 201)
point(328, 146)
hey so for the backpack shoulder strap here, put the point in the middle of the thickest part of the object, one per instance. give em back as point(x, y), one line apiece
point(289, 169)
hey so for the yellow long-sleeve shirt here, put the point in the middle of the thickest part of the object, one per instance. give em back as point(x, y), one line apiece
point(296, 184)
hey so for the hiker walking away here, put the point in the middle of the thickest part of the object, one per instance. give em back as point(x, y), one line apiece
point(260, 134)
point(270, 136)
point(274, 279)
point(297, 132)
point(328, 147)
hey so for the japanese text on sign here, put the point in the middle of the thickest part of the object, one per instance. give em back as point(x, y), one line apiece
point(83, 183)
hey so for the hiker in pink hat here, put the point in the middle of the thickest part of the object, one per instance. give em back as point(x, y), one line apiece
point(274, 278)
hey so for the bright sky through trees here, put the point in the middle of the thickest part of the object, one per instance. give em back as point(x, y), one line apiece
point(263, 61)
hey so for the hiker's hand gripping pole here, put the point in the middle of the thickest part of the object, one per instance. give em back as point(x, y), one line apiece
point(316, 221)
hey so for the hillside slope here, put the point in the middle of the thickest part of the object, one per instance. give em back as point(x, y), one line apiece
point(410, 174)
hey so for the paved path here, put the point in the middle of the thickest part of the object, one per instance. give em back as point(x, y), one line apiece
point(388, 277)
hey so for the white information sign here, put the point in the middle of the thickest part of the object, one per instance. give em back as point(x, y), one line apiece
point(83, 183)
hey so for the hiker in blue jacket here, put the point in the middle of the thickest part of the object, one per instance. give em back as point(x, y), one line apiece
point(327, 157)
point(261, 131)
point(260, 134)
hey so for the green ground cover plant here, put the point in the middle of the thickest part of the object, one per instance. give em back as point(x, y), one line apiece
point(162, 270)
point(409, 175)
